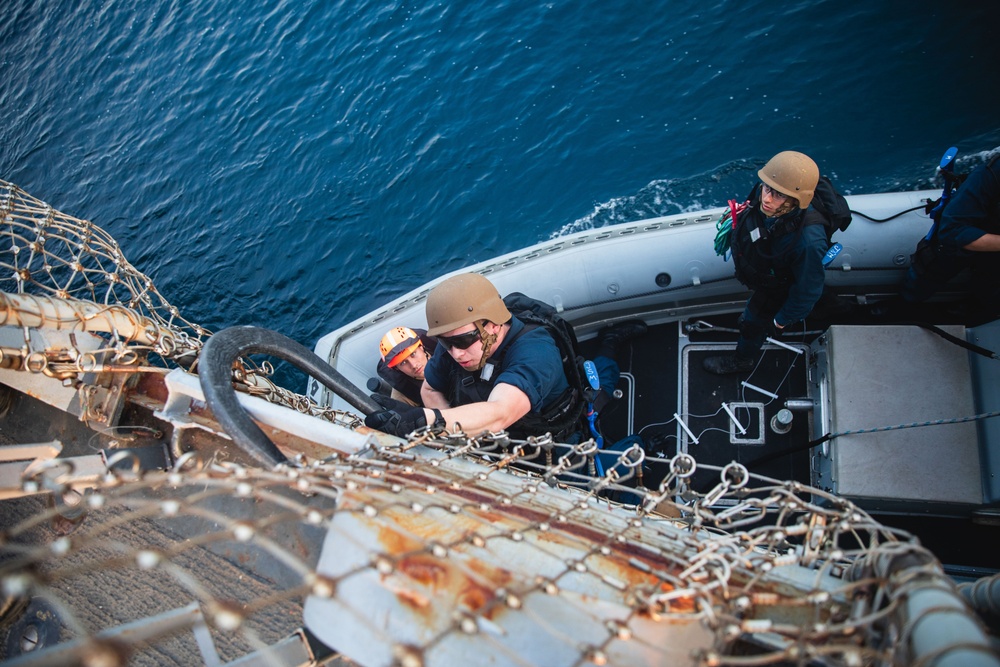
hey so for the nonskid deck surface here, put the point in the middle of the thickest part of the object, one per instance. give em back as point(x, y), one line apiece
point(662, 375)
point(675, 406)
point(655, 387)
point(744, 433)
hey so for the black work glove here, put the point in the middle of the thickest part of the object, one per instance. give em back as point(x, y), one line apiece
point(390, 403)
point(397, 418)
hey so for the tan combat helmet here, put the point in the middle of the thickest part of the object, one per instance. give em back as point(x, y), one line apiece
point(793, 174)
point(462, 300)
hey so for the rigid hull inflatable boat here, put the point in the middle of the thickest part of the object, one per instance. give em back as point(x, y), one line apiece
point(847, 370)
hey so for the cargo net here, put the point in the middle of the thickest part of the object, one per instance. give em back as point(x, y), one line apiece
point(60, 272)
point(446, 550)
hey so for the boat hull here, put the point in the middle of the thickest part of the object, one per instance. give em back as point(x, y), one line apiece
point(661, 269)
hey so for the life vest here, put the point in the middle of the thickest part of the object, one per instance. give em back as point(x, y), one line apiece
point(561, 418)
point(757, 264)
point(990, 225)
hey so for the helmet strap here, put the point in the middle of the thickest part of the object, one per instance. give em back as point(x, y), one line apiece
point(789, 205)
point(488, 339)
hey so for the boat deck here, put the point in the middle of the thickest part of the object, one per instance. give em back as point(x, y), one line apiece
point(675, 406)
point(663, 379)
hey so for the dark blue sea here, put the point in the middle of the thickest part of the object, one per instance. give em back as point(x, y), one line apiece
point(294, 165)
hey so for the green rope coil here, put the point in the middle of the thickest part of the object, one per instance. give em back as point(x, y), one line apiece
point(724, 233)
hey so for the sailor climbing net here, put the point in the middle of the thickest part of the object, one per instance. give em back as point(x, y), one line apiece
point(445, 548)
point(58, 271)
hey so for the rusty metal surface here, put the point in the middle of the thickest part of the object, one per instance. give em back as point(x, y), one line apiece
point(445, 549)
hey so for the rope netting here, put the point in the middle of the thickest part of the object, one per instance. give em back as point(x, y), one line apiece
point(436, 550)
point(61, 272)
point(53, 254)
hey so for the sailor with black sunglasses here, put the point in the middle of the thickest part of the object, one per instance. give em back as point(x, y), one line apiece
point(495, 372)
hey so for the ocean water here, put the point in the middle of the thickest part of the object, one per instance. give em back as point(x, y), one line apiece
point(293, 165)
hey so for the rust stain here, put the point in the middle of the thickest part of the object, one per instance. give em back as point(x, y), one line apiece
point(412, 598)
point(638, 569)
point(476, 596)
point(153, 386)
point(614, 564)
point(420, 576)
point(503, 513)
point(499, 576)
point(423, 571)
point(681, 605)
point(395, 542)
point(442, 578)
point(425, 527)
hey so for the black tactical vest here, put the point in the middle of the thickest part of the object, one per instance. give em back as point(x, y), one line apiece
point(758, 265)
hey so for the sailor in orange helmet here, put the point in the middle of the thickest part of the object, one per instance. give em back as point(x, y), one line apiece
point(405, 353)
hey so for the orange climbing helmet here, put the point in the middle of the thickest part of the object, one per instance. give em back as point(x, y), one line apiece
point(398, 344)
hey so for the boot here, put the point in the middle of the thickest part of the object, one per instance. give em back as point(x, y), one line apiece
point(610, 338)
point(727, 365)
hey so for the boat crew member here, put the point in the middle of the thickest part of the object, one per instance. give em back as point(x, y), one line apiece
point(498, 373)
point(778, 243)
point(966, 237)
point(405, 353)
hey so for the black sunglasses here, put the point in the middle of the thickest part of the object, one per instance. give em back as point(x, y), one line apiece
point(461, 341)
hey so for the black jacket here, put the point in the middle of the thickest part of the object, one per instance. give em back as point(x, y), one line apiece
point(782, 254)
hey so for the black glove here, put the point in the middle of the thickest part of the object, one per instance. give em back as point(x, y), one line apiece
point(397, 418)
point(390, 403)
